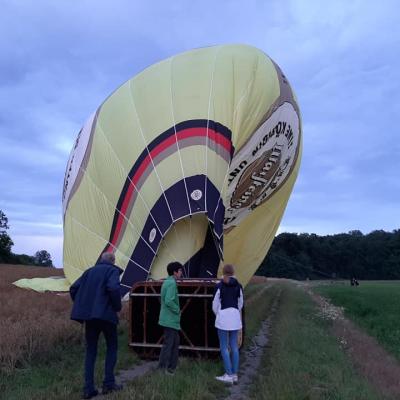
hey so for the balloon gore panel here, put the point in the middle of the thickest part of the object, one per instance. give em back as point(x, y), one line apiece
point(193, 160)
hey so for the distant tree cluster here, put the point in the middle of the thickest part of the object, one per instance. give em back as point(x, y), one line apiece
point(41, 258)
point(346, 255)
point(5, 241)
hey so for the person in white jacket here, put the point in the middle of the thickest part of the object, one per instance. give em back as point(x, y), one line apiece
point(227, 306)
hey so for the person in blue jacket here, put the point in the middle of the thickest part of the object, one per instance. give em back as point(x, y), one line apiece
point(227, 306)
point(97, 300)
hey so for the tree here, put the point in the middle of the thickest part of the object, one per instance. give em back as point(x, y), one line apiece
point(3, 221)
point(5, 241)
point(43, 259)
point(375, 255)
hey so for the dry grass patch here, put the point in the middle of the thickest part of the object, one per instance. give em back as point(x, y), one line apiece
point(31, 323)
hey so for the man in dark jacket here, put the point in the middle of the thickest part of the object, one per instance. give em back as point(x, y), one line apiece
point(97, 299)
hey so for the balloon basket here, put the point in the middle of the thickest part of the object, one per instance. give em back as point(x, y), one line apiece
point(198, 335)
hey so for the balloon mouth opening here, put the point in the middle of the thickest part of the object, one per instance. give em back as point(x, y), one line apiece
point(191, 241)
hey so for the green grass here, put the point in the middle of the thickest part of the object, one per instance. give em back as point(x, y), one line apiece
point(258, 310)
point(253, 289)
point(194, 380)
point(305, 360)
point(60, 376)
point(373, 306)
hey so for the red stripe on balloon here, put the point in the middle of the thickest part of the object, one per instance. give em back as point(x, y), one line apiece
point(170, 141)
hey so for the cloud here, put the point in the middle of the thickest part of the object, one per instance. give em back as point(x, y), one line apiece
point(60, 61)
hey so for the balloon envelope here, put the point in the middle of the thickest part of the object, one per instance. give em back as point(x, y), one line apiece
point(192, 160)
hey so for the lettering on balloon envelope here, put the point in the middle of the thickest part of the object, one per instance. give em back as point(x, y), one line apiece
point(78, 160)
point(263, 164)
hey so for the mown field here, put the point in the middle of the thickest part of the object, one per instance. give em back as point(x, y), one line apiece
point(42, 354)
point(374, 306)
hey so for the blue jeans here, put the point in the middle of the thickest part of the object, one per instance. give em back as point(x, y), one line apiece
point(93, 329)
point(230, 359)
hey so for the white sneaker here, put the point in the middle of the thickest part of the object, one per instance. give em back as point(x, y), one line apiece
point(225, 378)
point(235, 379)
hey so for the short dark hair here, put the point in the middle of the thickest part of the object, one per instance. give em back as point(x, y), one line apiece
point(174, 267)
point(107, 257)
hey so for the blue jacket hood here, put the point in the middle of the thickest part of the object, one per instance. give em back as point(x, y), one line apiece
point(232, 282)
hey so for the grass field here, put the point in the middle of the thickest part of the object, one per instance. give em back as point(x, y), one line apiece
point(304, 360)
point(31, 323)
point(374, 306)
point(41, 349)
point(54, 369)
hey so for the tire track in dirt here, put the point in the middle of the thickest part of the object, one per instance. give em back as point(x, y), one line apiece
point(369, 358)
point(127, 375)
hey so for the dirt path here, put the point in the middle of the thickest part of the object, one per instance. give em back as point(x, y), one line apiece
point(127, 375)
point(248, 370)
point(252, 357)
point(380, 368)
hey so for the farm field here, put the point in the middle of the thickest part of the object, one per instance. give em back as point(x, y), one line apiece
point(374, 306)
point(42, 353)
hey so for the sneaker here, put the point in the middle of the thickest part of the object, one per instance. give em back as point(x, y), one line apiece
point(113, 388)
point(235, 379)
point(170, 371)
point(225, 378)
point(89, 395)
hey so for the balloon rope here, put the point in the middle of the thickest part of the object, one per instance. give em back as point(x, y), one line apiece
point(176, 138)
point(107, 242)
point(247, 90)
point(119, 212)
point(242, 97)
point(207, 143)
point(221, 190)
point(208, 122)
point(151, 159)
point(179, 154)
point(134, 186)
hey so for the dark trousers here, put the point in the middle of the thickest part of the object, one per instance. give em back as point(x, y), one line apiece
point(93, 329)
point(170, 350)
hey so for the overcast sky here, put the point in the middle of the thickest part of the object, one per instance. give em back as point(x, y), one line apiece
point(60, 59)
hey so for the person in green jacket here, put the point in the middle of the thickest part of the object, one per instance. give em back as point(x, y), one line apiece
point(170, 319)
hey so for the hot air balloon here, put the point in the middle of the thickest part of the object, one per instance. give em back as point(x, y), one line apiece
point(192, 160)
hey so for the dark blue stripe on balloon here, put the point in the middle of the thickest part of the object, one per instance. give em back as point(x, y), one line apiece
point(177, 194)
point(178, 200)
point(195, 184)
point(198, 123)
point(219, 218)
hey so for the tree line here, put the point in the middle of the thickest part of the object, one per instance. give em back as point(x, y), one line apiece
point(375, 255)
point(41, 258)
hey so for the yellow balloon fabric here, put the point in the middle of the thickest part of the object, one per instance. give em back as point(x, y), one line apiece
point(192, 160)
point(51, 284)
